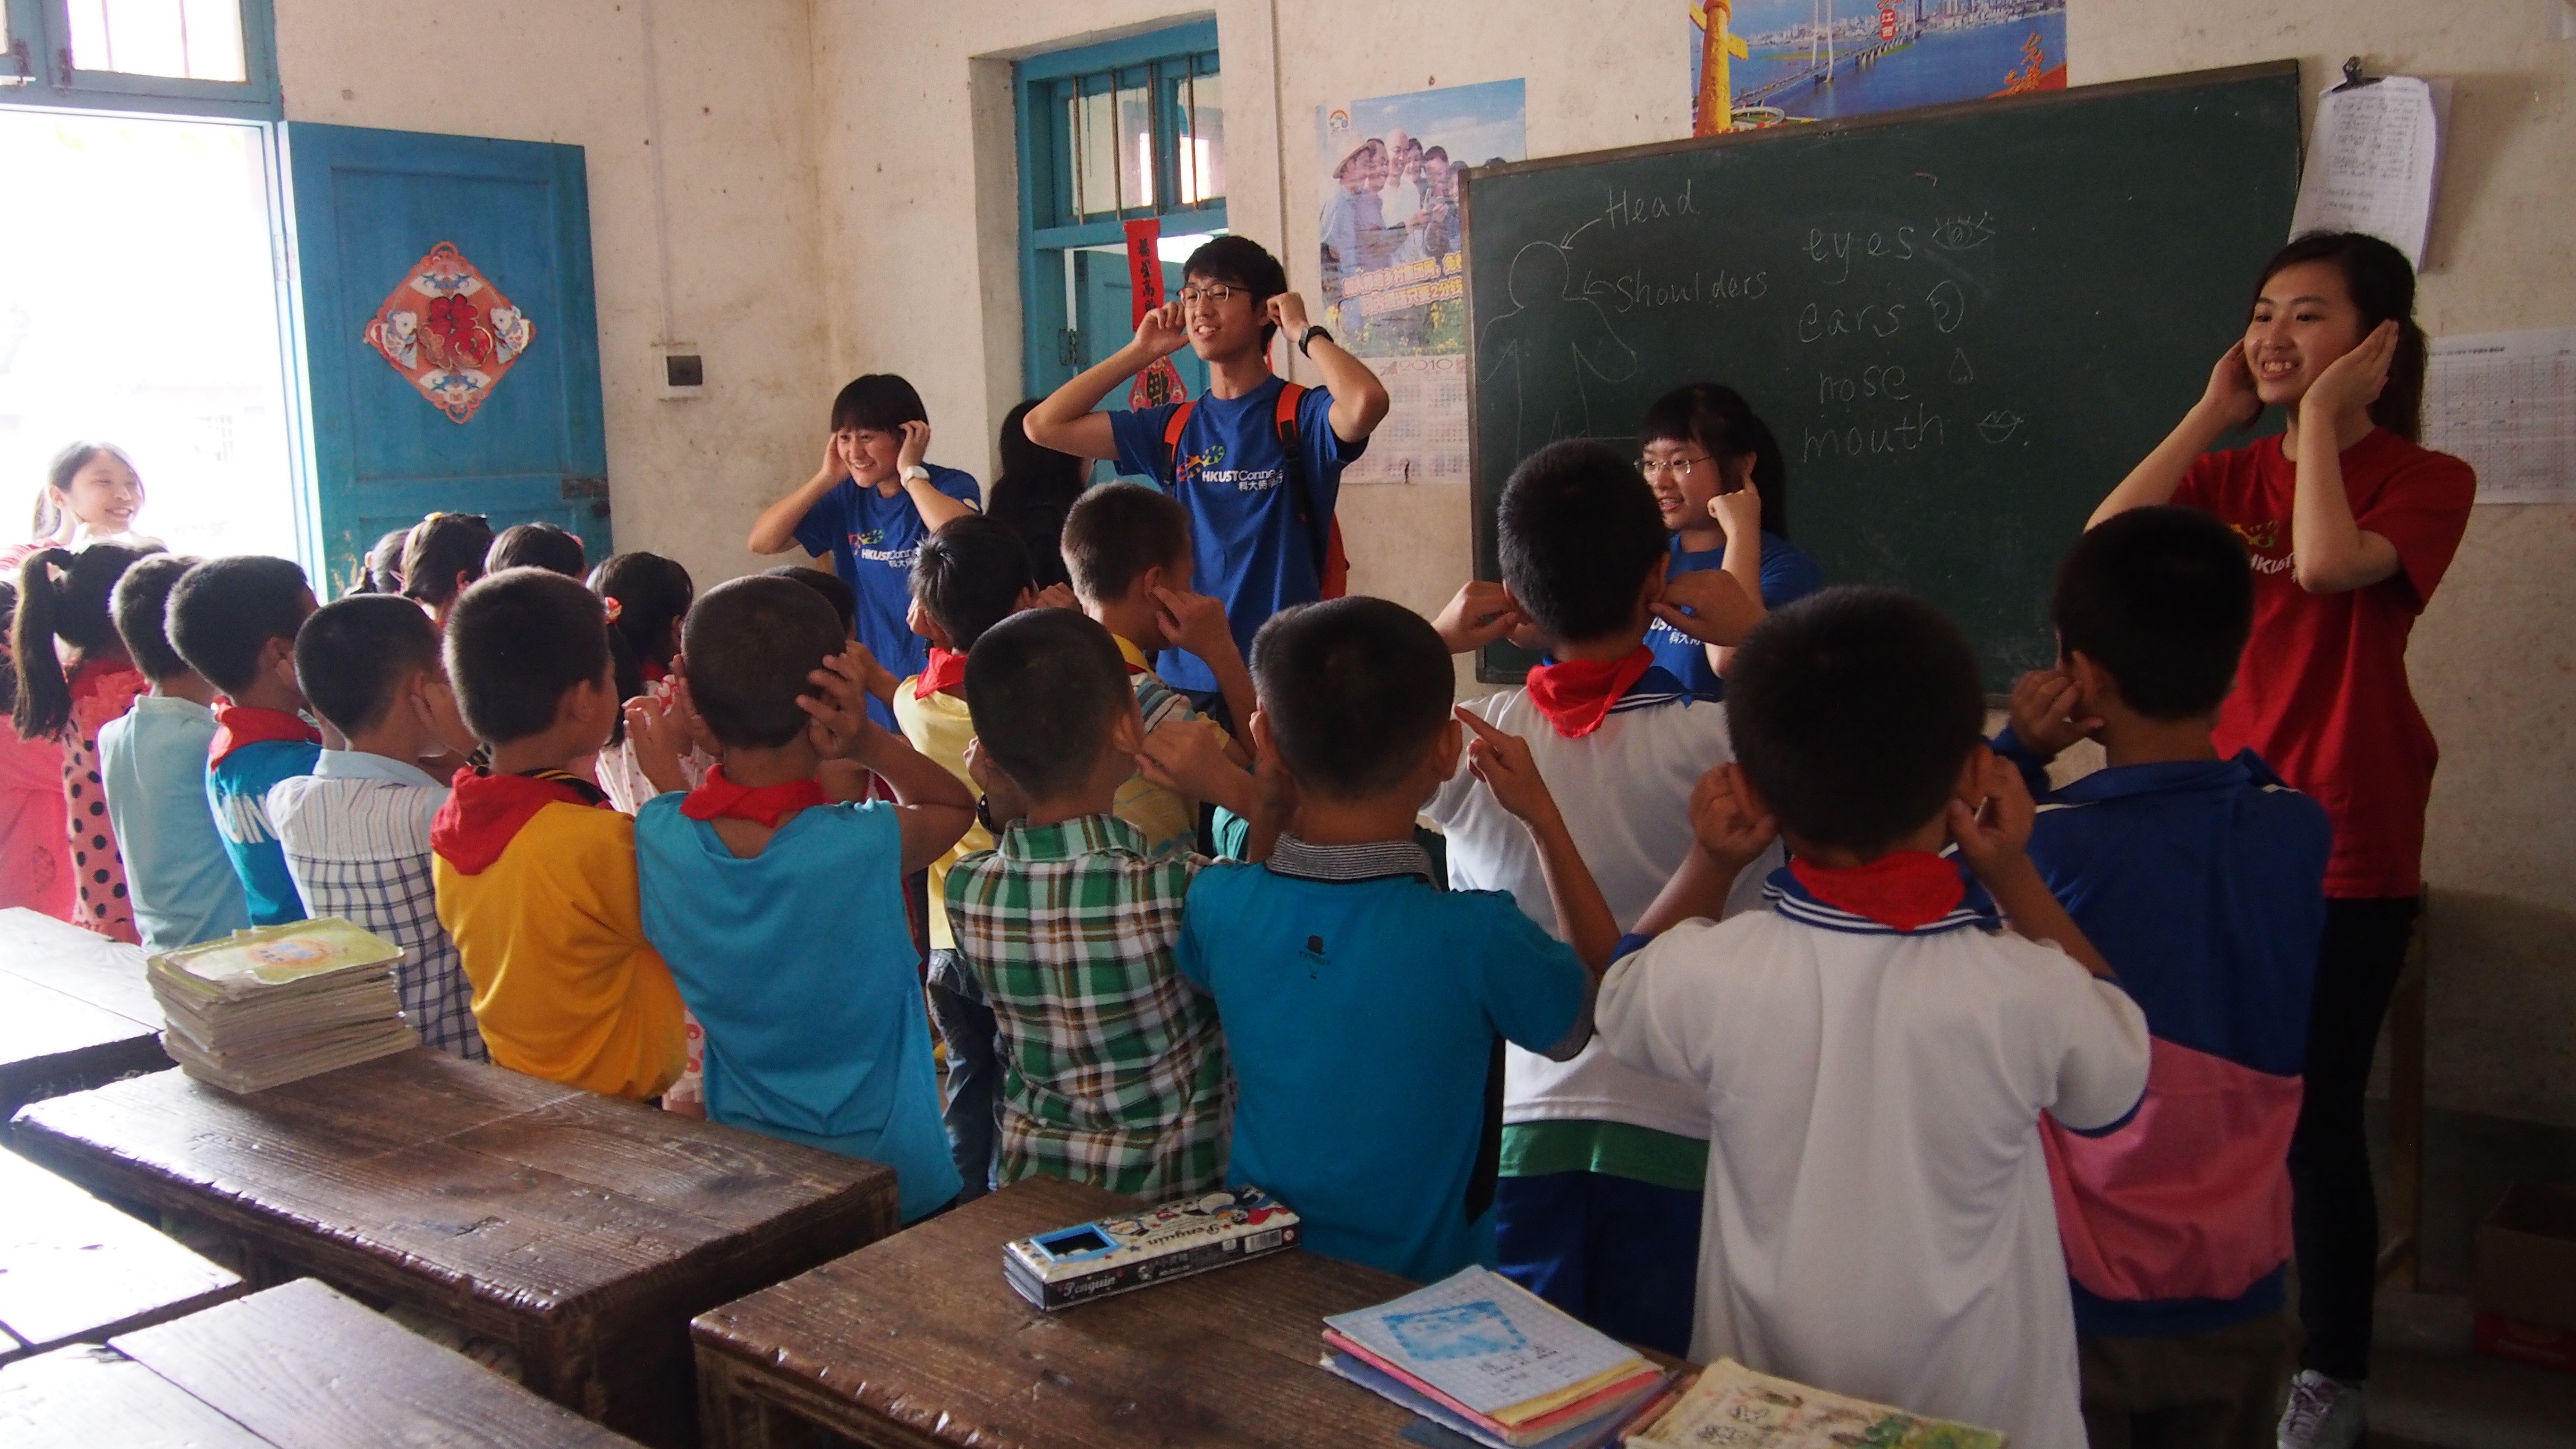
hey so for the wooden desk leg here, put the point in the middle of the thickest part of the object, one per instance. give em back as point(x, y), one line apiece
point(730, 1416)
point(2401, 1254)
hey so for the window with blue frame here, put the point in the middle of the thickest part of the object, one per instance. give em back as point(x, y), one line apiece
point(1109, 134)
point(196, 57)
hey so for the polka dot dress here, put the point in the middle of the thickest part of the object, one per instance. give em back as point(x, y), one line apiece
point(99, 693)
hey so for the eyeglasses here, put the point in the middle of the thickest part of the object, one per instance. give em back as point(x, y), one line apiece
point(1213, 295)
point(1678, 467)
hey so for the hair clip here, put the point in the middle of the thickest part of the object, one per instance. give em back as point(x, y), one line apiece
point(614, 608)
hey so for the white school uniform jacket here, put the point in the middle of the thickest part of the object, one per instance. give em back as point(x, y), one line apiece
point(1624, 790)
point(1878, 1218)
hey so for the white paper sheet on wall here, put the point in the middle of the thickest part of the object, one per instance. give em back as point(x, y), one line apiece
point(2373, 158)
point(2506, 403)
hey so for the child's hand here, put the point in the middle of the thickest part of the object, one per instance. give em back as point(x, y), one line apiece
point(1720, 613)
point(1725, 823)
point(1477, 615)
point(2044, 702)
point(1504, 763)
point(693, 724)
point(1194, 622)
point(2352, 382)
point(1274, 791)
point(1188, 756)
point(841, 729)
point(916, 443)
point(1002, 798)
point(1995, 836)
point(659, 736)
point(1055, 596)
point(1161, 332)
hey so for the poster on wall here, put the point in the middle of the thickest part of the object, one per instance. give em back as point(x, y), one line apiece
point(1394, 275)
point(1774, 62)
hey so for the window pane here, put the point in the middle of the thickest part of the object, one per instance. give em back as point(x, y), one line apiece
point(1202, 148)
point(156, 329)
point(194, 39)
point(1095, 151)
point(1135, 146)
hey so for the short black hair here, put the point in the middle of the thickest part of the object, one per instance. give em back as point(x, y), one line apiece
point(1355, 690)
point(834, 589)
point(1717, 418)
point(351, 655)
point(517, 643)
point(1117, 531)
point(224, 611)
point(969, 576)
point(2163, 598)
point(442, 546)
point(141, 603)
point(748, 647)
point(1580, 531)
point(1044, 689)
point(537, 545)
point(879, 402)
point(1239, 261)
point(1853, 711)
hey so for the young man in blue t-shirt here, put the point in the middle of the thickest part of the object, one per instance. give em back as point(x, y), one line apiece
point(1365, 1008)
point(868, 508)
point(1261, 512)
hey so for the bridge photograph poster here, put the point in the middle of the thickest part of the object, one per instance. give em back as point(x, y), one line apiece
point(1761, 63)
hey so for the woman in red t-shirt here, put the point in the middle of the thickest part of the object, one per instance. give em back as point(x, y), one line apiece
point(2350, 526)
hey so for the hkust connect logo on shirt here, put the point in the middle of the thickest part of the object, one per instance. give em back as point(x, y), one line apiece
point(865, 546)
point(2260, 539)
point(1208, 468)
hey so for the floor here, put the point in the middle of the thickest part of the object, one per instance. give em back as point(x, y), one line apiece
point(2429, 1389)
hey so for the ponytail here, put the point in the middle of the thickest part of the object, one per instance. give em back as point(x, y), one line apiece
point(61, 596)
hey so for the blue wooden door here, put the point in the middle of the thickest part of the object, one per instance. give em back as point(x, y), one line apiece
point(450, 336)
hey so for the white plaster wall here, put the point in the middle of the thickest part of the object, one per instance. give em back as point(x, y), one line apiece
point(746, 254)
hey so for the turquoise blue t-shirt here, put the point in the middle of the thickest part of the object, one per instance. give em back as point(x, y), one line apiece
point(1230, 470)
point(237, 790)
point(1360, 1016)
point(1788, 575)
point(798, 965)
point(177, 872)
point(871, 540)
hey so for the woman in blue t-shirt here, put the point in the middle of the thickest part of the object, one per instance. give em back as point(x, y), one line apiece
point(1724, 490)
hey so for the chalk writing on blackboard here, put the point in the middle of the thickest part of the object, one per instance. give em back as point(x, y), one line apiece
point(1548, 347)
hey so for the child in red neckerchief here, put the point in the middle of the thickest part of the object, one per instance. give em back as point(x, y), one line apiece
point(1876, 1049)
point(781, 914)
point(234, 621)
point(535, 872)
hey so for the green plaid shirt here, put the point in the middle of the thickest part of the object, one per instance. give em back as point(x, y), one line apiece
point(1113, 1066)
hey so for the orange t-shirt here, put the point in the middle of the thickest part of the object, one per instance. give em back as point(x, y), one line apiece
point(550, 929)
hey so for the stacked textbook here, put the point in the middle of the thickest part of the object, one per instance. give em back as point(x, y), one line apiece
point(1734, 1405)
point(277, 1003)
point(1489, 1360)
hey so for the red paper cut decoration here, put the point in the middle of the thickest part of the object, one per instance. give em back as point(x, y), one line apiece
point(1160, 382)
point(449, 331)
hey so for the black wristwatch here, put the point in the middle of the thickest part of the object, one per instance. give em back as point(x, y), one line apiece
point(984, 816)
point(1309, 335)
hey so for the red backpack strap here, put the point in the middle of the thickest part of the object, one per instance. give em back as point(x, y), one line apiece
point(1172, 426)
point(1332, 564)
point(1290, 394)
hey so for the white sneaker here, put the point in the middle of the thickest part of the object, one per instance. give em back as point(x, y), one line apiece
point(2324, 1413)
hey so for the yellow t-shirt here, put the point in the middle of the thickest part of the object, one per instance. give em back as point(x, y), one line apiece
point(939, 727)
point(552, 938)
point(1169, 819)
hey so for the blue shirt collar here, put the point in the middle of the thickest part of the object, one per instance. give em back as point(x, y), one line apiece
point(2246, 768)
point(1789, 896)
point(362, 765)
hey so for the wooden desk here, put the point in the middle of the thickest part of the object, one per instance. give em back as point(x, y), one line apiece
point(582, 1230)
point(75, 1011)
point(296, 1367)
point(917, 1341)
point(74, 1270)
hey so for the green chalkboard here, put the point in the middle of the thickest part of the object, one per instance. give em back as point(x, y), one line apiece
point(1964, 323)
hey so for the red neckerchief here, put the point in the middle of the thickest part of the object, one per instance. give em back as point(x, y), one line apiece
point(1576, 694)
point(237, 725)
point(484, 813)
point(655, 671)
point(99, 676)
point(1903, 889)
point(945, 672)
point(760, 804)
